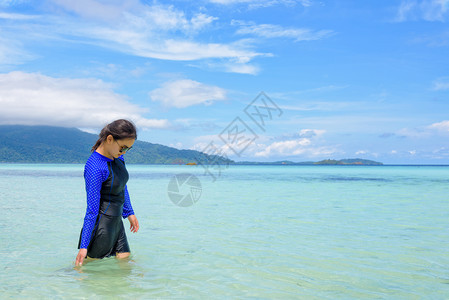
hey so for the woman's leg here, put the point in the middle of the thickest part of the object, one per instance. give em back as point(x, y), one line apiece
point(122, 254)
point(121, 247)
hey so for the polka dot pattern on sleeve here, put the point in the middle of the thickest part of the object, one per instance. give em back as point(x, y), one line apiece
point(95, 173)
point(127, 208)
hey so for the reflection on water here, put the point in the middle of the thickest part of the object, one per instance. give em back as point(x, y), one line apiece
point(107, 277)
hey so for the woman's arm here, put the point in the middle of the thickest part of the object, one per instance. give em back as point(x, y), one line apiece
point(127, 207)
point(128, 212)
point(80, 257)
point(133, 223)
point(93, 176)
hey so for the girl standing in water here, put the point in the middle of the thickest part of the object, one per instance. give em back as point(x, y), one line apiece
point(105, 174)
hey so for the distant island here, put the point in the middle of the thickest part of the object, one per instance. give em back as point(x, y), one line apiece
point(351, 161)
point(49, 144)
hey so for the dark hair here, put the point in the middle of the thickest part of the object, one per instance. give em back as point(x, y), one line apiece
point(119, 129)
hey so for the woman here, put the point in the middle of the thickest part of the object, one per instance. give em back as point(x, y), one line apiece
point(105, 174)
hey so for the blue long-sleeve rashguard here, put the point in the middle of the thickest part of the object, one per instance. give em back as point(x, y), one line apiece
point(96, 171)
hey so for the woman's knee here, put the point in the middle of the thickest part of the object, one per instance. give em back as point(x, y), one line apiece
point(122, 254)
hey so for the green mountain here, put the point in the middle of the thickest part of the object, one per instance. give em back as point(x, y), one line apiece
point(47, 144)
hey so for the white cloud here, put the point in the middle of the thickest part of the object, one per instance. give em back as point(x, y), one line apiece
point(12, 16)
point(435, 129)
point(415, 133)
point(7, 3)
point(171, 49)
point(11, 48)
point(304, 143)
point(151, 31)
point(177, 145)
point(290, 146)
point(133, 12)
point(106, 10)
point(435, 10)
point(303, 133)
point(149, 123)
point(201, 20)
point(441, 84)
point(440, 39)
point(241, 68)
point(263, 3)
point(169, 19)
point(228, 66)
point(138, 40)
point(276, 31)
point(440, 153)
point(299, 147)
point(183, 93)
point(36, 99)
point(441, 126)
point(428, 10)
point(239, 64)
point(149, 42)
point(212, 145)
point(12, 53)
point(309, 133)
point(285, 148)
point(404, 10)
point(366, 152)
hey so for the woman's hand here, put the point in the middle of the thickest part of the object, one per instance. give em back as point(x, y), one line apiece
point(134, 224)
point(80, 257)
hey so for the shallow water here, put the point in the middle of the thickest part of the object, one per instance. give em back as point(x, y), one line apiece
point(308, 232)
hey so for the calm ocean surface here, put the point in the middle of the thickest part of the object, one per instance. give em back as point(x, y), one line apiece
point(307, 232)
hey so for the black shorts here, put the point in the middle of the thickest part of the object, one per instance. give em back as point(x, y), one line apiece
point(108, 238)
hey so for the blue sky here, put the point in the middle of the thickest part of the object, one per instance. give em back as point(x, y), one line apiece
point(367, 79)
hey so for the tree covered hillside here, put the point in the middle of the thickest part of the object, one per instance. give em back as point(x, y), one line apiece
point(47, 144)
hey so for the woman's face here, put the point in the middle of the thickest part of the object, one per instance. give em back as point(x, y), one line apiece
point(122, 146)
point(118, 147)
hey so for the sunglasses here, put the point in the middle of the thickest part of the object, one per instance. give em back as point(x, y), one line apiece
point(123, 149)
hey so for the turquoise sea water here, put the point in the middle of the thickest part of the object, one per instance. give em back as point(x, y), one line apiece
point(303, 232)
